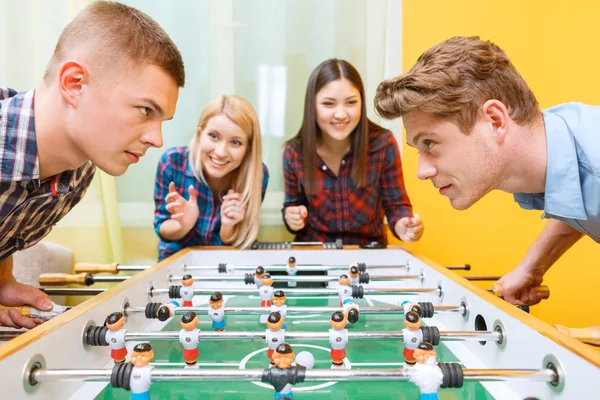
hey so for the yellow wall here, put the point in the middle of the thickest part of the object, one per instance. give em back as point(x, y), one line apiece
point(554, 46)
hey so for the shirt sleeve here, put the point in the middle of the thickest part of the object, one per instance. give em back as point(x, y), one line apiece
point(164, 176)
point(294, 194)
point(396, 203)
point(265, 181)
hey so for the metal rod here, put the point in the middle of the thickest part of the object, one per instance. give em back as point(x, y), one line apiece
point(105, 278)
point(309, 292)
point(8, 335)
point(319, 374)
point(465, 267)
point(483, 336)
point(288, 278)
point(293, 309)
point(72, 291)
point(282, 267)
point(482, 278)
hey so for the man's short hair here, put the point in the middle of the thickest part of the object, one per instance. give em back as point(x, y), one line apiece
point(115, 32)
point(451, 81)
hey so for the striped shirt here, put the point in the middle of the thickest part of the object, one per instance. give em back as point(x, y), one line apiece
point(174, 166)
point(339, 209)
point(29, 208)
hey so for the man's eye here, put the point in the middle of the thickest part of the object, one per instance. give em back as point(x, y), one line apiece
point(145, 110)
point(428, 144)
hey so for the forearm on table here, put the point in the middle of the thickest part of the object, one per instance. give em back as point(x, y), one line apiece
point(172, 230)
point(556, 238)
point(226, 233)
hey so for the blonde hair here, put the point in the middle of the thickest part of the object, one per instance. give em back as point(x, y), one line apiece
point(247, 179)
point(114, 33)
point(452, 79)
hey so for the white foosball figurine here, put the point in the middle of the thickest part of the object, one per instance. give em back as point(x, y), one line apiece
point(188, 337)
point(115, 336)
point(344, 290)
point(216, 311)
point(140, 379)
point(354, 273)
point(291, 270)
point(412, 335)
point(266, 290)
point(426, 374)
point(187, 291)
point(278, 304)
point(338, 339)
point(274, 335)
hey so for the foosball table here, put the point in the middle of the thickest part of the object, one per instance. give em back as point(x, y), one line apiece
point(315, 324)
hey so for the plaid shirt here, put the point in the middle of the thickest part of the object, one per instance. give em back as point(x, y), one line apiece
point(174, 167)
point(341, 210)
point(30, 208)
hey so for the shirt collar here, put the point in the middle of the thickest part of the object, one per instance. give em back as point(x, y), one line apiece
point(563, 195)
point(18, 156)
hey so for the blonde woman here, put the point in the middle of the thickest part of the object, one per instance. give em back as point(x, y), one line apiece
point(210, 192)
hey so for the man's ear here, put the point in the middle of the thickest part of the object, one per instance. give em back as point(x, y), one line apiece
point(72, 76)
point(496, 114)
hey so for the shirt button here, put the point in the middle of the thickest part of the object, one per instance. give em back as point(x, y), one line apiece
point(343, 162)
point(61, 186)
point(324, 167)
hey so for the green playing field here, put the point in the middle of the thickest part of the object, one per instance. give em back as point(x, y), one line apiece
point(253, 354)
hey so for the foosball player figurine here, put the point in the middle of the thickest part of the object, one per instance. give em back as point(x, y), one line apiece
point(259, 272)
point(188, 337)
point(115, 336)
point(266, 290)
point(351, 310)
point(344, 290)
point(291, 270)
point(140, 379)
point(426, 374)
point(279, 304)
point(338, 339)
point(353, 272)
point(274, 335)
point(187, 292)
point(283, 376)
point(412, 335)
point(216, 311)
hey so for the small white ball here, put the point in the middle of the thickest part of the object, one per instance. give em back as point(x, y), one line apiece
point(305, 359)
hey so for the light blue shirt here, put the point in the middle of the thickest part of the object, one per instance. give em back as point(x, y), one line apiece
point(573, 171)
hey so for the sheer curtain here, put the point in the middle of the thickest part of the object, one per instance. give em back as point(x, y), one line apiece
point(263, 50)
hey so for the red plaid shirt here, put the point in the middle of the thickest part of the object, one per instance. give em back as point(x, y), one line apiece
point(341, 210)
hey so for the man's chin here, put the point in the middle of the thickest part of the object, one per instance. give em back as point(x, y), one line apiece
point(461, 204)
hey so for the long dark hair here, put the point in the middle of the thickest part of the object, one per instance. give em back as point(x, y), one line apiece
point(307, 137)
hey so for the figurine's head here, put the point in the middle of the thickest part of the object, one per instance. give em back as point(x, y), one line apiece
point(189, 321)
point(216, 300)
point(278, 298)
point(142, 354)
point(412, 320)
point(275, 321)
point(259, 272)
point(266, 280)
point(115, 321)
point(187, 280)
point(292, 262)
point(338, 320)
point(344, 280)
point(352, 314)
point(283, 356)
point(353, 271)
point(163, 313)
point(424, 352)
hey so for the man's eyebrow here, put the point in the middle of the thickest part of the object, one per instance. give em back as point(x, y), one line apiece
point(416, 139)
point(158, 109)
